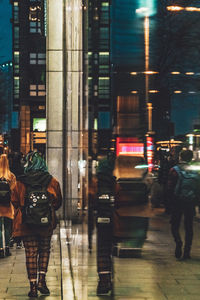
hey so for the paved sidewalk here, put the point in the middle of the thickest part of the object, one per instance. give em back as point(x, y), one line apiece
point(72, 274)
point(13, 277)
point(157, 275)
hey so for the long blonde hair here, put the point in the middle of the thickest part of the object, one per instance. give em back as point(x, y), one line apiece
point(4, 168)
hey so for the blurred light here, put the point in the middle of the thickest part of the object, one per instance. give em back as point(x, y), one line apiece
point(193, 167)
point(95, 124)
point(175, 73)
point(141, 166)
point(192, 9)
point(142, 10)
point(177, 92)
point(150, 72)
point(153, 91)
point(133, 73)
point(134, 92)
point(192, 92)
point(175, 8)
point(179, 8)
point(189, 73)
point(146, 8)
point(103, 53)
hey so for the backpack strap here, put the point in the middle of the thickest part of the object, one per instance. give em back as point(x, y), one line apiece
point(179, 180)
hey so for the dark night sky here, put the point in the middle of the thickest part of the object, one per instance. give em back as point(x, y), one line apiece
point(5, 31)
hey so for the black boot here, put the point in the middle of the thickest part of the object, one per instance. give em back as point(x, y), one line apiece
point(186, 254)
point(7, 252)
point(178, 249)
point(104, 284)
point(42, 287)
point(33, 289)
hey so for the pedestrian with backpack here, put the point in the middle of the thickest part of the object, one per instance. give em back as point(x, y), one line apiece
point(36, 197)
point(182, 198)
point(7, 183)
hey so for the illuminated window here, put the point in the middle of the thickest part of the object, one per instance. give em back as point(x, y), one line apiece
point(16, 62)
point(104, 13)
point(16, 37)
point(37, 58)
point(16, 87)
point(104, 58)
point(103, 119)
point(104, 87)
point(37, 90)
point(34, 19)
point(104, 37)
point(16, 12)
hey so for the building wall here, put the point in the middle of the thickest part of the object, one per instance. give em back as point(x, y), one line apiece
point(66, 108)
point(29, 64)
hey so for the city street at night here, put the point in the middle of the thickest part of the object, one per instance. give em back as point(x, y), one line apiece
point(100, 149)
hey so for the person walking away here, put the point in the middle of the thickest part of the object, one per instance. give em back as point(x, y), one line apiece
point(7, 183)
point(106, 189)
point(182, 199)
point(36, 197)
point(16, 167)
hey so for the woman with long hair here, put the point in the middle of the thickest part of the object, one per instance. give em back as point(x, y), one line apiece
point(6, 211)
point(36, 238)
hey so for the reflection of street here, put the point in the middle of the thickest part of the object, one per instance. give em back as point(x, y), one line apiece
point(156, 274)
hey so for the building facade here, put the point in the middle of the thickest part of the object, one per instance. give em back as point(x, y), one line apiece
point(99, 77)
point(29, 66)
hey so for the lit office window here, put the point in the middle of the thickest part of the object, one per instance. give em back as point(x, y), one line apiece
point(16, 87)
point(103, 58)
point(35, 27)
point(37, 90)
point(104, 88)
point(16, 37)
point(104, 38)
point(104, 13)
point(16, 62)
point(104, 70)
point(16, 12)
point(34, 19)
point(104, 120)
point(37, 58)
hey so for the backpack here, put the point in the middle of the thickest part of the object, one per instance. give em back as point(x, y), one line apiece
point(37, 210)
point(5, 193)
point(187, 186)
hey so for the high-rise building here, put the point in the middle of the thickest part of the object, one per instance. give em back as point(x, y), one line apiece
point(29, 63)
point(99, 76)
point(6, 96)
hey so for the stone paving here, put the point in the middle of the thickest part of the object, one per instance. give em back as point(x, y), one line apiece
point(13, 277)
point(72, 275)
point(157, 275)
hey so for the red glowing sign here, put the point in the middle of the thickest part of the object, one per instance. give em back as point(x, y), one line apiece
point(129, 146)
point(150, 152)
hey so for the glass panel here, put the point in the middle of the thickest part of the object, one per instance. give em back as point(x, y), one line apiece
point(41, 55)
point(41, 87)
point(32, 55)
point(32, 87)
point(41, 93)
point(33, 93)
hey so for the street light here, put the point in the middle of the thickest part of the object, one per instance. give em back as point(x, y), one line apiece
point(145, 12)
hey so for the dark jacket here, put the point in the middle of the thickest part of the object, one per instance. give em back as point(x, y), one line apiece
point(18, 197)
point(171, 184)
